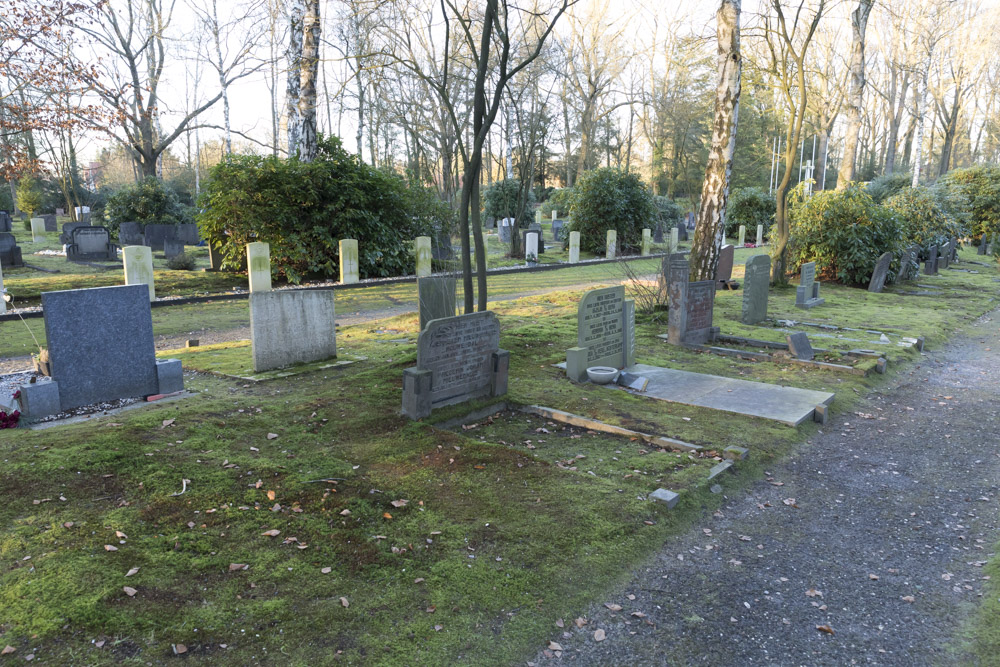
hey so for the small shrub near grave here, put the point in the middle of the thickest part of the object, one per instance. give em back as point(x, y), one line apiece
point(668, 212)
point(504, 198)
point(609, 198)
point(921, 218)
point(750, 207)
point(844, 232)
point(978, 188)
point(181, 262)
point(885, 186)
point(29, 196)
point(147, 202)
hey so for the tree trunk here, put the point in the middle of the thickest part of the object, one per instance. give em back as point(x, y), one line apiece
point(895, 117)
point(918, 140)
point(296, 16)
point(309, 75)
point(711, 228)
point(822, 147)
point(950, 130)
point(859, 23)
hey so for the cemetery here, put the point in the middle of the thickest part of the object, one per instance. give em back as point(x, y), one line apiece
point(502, 378)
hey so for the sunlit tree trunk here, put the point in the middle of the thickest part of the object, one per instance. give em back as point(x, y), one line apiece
point(309, 72)
point(859, 23)
point(296, 18)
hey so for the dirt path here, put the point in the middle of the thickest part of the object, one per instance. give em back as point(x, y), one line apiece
point(895, 512)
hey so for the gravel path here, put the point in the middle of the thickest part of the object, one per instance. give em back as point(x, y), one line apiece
point(894, 514)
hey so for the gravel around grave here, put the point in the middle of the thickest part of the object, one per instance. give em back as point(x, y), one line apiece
point(10, 382)
point(865, 547)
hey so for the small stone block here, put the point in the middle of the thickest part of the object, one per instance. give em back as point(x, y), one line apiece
point(718, 469)
point(39, 400)
point(191, 342)
point(169, 376)
point(668, 498)
point(735, 453)
point(417, 393)
point(821, 414)
point(920, 344)
point(799, 346)
point(576, 364)
point(501, 369)
point(880, 365)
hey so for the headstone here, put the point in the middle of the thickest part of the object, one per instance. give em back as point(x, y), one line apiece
point(954, 249)
point(50, 222)
point(743, 236)
point(909, 265)
point(215, 256)
point(760, 235)
point(931, 265)
point(538, 216)
point(458, 359)
point(436, 298)
point(292, 327)
point(944, 258)
point(674, 240)
point(558, 228)
point(691, 304)
point(574, 247)
point(188, 234)
point(981, 250)
point(555, 214)
point(682, 231)
point(799, 346)
point(349, 261)
point(10, 253)
point(505, 228)
point(6, 223)
point(724, 269)
point(647, 237)
point(658, 232)
point(881, 272)
point(259, 266)
point(605, 332)
point(611, 244)
point(537, 229)
point(691, 219)
point(807, 293)
point(130, 233)
point(139, 267)
point(172, 247)
point(154, 235)
point(91, 243)
point(67, 233)
point(60, 211)
point(37, 230)
point(422, 249)
point(85, 217)
point(100, 344)
point(756, 279)
point(531, 246)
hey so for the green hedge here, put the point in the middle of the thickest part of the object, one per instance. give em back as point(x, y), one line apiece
point(978, 190)
point(750, 207)
point(147, 202)
point(610, 198)
point(921, 218)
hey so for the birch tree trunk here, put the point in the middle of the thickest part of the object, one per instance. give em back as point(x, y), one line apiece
point(918, 139)
point(308, 78)
point(711, 228)
point(859, 23)
point(296, 17)
point(223, 82)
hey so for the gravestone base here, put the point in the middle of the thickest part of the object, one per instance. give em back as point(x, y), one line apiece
point(803, 300)
point(169, 376)
point(39, 400)
point(418, 386)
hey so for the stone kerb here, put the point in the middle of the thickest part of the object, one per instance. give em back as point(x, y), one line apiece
point(605, 332)
point(292, 326)
point(458, 359)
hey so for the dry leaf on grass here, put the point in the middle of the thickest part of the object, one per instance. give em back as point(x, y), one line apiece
point(274, 532)
point(272, 436)
point(599, 635)
point(7, 650)
point(345, 603)
point(399, 503)
point(129, 591)
point(234, 567)
point(132, 572)
point(612, 606)
point(327, 570)
point(110, 547)
point(555, 646)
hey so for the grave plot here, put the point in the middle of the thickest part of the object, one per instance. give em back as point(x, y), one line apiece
point(235, 360)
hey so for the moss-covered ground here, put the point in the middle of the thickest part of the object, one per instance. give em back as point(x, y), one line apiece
point(397, 542)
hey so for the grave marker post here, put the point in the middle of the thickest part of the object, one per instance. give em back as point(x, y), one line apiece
point(139, 267)
point(259, 266)
point(349, 261)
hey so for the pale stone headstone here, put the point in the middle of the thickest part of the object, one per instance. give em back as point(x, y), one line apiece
point(3, 303)
point(647, 238)
point(458, 359)
point(799, 346)
point(531, 246)
point(756, 279)
point(881, 272)
point(435, 298)
point(724, 269)
point(422, 248)
point(38, 230)
point(760, 235)
point(807, 293)
point(538, 216)
point(349, 261)
point(743, 236)
point(505, 229)
point(605, 332)
point(259, 266)
point(574, 247)
point(691, 304)
point(139, 267)
point(611, 244)
point(673, 240)
point(555, 214)
point(291, 327)
point(537, 229)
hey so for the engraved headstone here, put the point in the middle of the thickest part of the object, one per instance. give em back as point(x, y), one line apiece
point(611, 244)
point(291, 327)
point(555, 214)
point(881, 272)
point(458, 359)
point(558, 229)
point(422, 249)
point(724, 269)
point(50, 222)
point(658, 232)
point(139, 267)
point(807, 293)
point(215, 255)
point(505, 229)
point(954, 249)
point(799, 346)
point(742, 237)
point(259, 266)
point(10, 253)
point(605, 332)
point(574, 247)
point(536, 229)
point(67, 233)
point(37, 230)
point(756, 280)
point(981, 250)
point(349, 261)
point(435, 298)
point(647, 237)
point(91, 243)
point(538, 216)
point(691, 304)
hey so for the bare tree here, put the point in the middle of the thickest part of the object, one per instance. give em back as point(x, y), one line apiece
point(859, 23)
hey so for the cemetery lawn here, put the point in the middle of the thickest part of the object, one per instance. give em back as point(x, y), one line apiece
point(441, 545)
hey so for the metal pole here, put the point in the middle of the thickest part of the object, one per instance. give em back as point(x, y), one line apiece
point(802, 152)
point(774, 155)
point(826, 166)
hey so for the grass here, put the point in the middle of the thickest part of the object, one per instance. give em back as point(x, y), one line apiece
point(499, 536)
point(235, 360)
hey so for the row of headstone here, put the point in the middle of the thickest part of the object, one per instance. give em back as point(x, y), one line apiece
point(691, 304)
point(10, 252)
point(169, 239)
point(605, 332)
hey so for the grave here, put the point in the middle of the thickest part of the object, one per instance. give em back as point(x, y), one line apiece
point(909, 266)
point(605, 332)
point(100, 346)
point(154, 235)
point(691, 304)
point(555, 214)
point(741, 241)
point(6, 222)
point(799, 346)
point(130, 233)
point(807, 293)
point(658, 232)
point(458, 359)
point(611, 244)
point(37, 230)
point(422, 250)
point(574, 247)
point(172, 247)
point(760, 236)
point(724, 269)
point(531, 246)
point(881, 272)
point(674, 240)
point(349, 261)
point(756, 281)
point(10, 252)
point(51, 225)
point(505, 229)
point(291, 327)
point(981, 250)
point(682, 231)
point(435, 298)
point(953, 257)
point(188, 234)
point(931, 265)
point(138, 261)
point(538, 216)
point(259, 266)
point(647, 237)
point(215, 256)
point(944, 258)
point(67, 233)
point(60, 211)
point(90, 244)
point(537, 230)
point(558, 230)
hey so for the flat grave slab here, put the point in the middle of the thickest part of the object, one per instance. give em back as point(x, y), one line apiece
point(788, 405)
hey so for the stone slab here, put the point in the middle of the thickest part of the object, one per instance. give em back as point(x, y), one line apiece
point(349, 261)
point(292, 326)
point(435, 298)
point(665, 496)
point(788, 405)
point(100, 343)
point(799, 346)
point(756, 283)
point(259, 266)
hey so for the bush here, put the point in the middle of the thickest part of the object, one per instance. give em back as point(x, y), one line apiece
point(921, 218)
point(502, 200)
point(978, 190)
point(844, 232)
point(668, 212)
point(181, 262)
point(609, 198)
point(29, 196)
point(886, 185)
point(560, 200)
point(750, 207)
point(303, 209)
point(147, 202)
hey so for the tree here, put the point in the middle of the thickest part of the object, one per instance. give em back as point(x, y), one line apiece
point(308, 73)
point(711, 226)
point(859, 23)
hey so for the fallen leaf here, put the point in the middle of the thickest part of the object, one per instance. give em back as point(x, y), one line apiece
point(560, 624)
point(438, 628)
point(132, 572)
point(7, 650)
point(612, 606)
point(790, 502)
point(387, 515)
point(68, 524)
point(345, 603)
point(580, 622)
point(418, 580)
point(873, 577)
point(825, 628)
point(909, 598)
point(345, 513)
point(166, 423)
point(638, 614)
point(101, 643)
point(274, 532)
point(270, 495)
point(947, 576)
point(813, 593)
point(129, 591)
point(180, 649)
point(110, 547)
point(599, 635)
point(555, 646)
point(233, 567)
point(399, 503)
point(327, 570)
point(121, 535)
point(431, 609)
point(272, 436)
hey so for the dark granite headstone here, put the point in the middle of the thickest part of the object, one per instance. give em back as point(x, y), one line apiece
point(130, 233)
point(682, 231)
point(100, 343)
point(909, 266)
point(67, 233)
point(690, 317)
point(188, 233)
point(172, 247)
point(91, 243)
point(558, 229)
point(931, 265)
point(981, 250)
point(658, 232)
point(50, 222)
point(756, 282)
point(6, 223)
point(724, 269)
point(881, 272)
point(799, 346)
point(10, 253)
point(436, 298)
point(155, 234)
